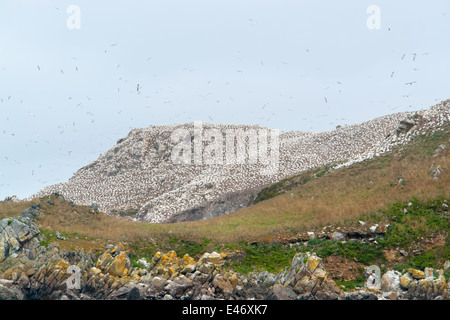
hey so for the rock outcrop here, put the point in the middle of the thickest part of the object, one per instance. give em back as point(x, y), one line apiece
point(29, 270)
point(145, 172)
point(16, 235)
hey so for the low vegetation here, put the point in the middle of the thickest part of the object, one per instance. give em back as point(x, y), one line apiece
point(396, 188)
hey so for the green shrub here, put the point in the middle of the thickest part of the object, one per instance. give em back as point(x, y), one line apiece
point(260, 256)
point(366, 253)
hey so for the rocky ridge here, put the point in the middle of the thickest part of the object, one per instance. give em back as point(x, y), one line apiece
point(29, 270)
point(139, 174)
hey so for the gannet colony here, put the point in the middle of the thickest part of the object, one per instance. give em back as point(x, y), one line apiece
point(160, 171)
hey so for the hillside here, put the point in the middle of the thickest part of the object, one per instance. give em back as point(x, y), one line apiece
point(390, 210)
point(306, 202)
point(140, 178)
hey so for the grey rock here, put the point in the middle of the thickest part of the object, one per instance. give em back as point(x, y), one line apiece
point(12, 199)
point(405, 125)
point(95, 207)
point(337, 236)
point(390, 281)
point(10, 293)
point(447, 264)
point(134, 294)
point(280, 292)
point(35, 204)
point(59, 236)
point(178, 286)
point(360, 295)
point(14, 235)
point(438, 151)
point(31, 213)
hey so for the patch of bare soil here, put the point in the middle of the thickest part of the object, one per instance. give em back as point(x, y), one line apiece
point(342, 269)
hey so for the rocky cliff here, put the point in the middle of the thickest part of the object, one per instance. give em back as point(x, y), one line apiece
point(198, 170)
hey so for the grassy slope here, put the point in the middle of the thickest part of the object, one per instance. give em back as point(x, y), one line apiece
point(305, 202)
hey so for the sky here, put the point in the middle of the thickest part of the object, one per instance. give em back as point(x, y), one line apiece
point(76, 76)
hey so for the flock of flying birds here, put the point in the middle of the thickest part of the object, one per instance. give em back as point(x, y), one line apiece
point(139, 90)
point(139, 87)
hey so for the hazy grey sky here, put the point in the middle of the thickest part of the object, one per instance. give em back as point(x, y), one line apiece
point(68, 94)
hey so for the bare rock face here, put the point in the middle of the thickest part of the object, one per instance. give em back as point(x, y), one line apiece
point(53, 273)
point(165, 173)
point(15, 235)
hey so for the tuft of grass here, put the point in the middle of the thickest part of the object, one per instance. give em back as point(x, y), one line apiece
point(261, 256)
point(142, 249)
point(192, 248)
point(366, 253)
point(352, 284)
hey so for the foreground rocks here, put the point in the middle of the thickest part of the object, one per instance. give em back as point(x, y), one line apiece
point(31, 271)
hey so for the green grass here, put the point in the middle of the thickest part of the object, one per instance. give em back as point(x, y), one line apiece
point(427, 144)
point(287, 184)
point(366, 253)
point(142, 249)
point(414, 220)
point(146, 249)
point(47, 240)
point(431, 258)
point(192, 248)
point(260, 256)
point(422, 219)
point(352, 284)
